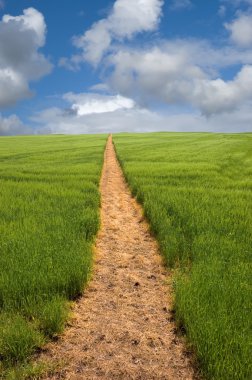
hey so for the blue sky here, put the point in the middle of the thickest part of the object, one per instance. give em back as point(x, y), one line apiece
point(125, 65)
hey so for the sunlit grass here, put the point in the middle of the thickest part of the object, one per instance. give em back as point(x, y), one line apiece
point(49, 215)
point(196, 190)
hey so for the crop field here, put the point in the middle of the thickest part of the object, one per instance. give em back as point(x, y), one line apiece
point(49, 215)
point(196, 191)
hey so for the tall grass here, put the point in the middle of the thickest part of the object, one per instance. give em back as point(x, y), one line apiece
point(196, 191)
point(49, 215)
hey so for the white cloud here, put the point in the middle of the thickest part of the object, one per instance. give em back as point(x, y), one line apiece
point(31, 20)
point(177, 74)
point(180, 4)
point(127, 18)
point(92, 103)
point(171, 72)
point(100, 87)
point(12, 125)
point(13, 87)
point(56, 120)
point(137, 119)
point(20, 59)
point(241, 30)
point(218, 96)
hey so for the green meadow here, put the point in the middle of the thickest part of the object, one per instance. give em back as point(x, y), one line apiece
point(49, 216)
point(196, 190)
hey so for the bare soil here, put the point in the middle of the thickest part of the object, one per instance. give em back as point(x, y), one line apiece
point(122, 327)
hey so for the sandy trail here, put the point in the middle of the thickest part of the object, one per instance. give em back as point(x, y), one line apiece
point(122, 326)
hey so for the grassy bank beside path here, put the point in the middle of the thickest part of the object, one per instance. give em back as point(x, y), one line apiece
point(49, 216)
point(196, 190)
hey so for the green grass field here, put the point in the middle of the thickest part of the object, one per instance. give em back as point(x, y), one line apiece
point(49, 215)
point(196, 190)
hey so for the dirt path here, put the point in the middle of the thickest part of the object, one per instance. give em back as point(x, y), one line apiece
point(121, 327)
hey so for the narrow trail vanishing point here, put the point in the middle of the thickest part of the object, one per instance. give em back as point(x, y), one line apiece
point(122, 326)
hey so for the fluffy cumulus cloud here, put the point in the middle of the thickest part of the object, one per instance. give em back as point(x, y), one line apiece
point(241, 30)
point(172, 74)
point(21, 37)
point(12, 125)
point(127, 18)
point(217, 96)
point(93, 103)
